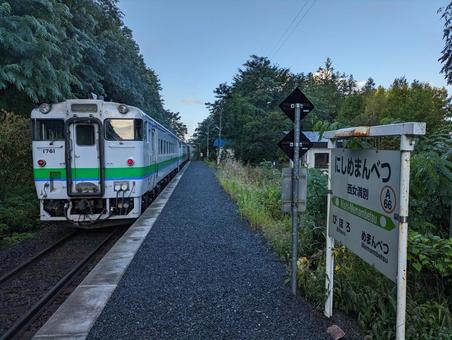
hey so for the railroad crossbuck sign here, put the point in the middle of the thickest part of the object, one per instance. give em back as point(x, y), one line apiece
point(364, 201)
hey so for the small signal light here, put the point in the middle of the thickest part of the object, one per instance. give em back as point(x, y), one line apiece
point(42, 163)
point(130, 162)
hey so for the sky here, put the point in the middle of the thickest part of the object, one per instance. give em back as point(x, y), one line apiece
point(195, 45)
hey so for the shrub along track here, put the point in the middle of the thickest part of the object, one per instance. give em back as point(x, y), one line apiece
point(27, 291)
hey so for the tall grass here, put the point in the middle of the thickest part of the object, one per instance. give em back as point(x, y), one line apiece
point(360, 291)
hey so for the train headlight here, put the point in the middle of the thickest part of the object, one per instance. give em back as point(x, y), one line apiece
point(45, 108)
point(124, 187)
point(117, 187)
point(42, 163)
point(123, 109)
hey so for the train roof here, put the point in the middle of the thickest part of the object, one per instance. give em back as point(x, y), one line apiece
point(102, 106)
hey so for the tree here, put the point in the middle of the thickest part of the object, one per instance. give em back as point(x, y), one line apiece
point(175, 123)
point(416, 102)
point(446, 53)
point(326, 88)
point(204, 136)
point(33, 63)
point(248, 107)
point(53, 50)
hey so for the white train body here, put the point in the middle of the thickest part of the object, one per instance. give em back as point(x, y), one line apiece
point(94, 164)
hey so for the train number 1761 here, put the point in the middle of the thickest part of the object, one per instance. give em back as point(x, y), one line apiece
point(48, 150)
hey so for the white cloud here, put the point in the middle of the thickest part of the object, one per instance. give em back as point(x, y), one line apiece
point(191, 101)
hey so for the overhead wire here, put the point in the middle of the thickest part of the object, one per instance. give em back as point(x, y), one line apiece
point(289, 26)
point(294, 28)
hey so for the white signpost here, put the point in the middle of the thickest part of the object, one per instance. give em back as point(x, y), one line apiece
point(368, 206)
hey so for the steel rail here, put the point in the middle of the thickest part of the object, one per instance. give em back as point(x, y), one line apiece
point(23, 323)
point(17, 269)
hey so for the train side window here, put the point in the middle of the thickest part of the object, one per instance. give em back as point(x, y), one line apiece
point(48, 129)
point(85, 135)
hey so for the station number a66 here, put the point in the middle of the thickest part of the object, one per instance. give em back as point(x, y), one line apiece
point(388, 199)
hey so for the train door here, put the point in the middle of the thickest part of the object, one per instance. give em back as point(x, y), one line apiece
point(84, 158)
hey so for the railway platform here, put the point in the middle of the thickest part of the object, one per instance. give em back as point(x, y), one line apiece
point(190, 267)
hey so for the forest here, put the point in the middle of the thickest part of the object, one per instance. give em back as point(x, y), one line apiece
point(53, 50)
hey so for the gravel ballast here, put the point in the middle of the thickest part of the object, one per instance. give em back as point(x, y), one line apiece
point(203, 273)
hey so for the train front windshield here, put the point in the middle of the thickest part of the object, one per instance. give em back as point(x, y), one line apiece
point(123, 129)
point(48, 129)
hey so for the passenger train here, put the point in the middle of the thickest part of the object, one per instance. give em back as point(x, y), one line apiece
point(97, 162)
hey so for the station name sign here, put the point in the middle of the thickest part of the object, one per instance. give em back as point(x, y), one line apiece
point(364, 189)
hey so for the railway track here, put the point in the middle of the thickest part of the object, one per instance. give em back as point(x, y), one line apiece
point(26, 295)
point(29, 289)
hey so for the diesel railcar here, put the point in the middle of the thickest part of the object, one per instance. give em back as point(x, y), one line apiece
point(99, 163)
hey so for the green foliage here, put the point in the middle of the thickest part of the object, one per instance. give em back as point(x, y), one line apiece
point(18, 203)
point(15, 153)
point(431, 253)
point(431, 183)
point(53, 50)
point(360, 291)
point(249, 110)
point(32, 61)
point(446, 54)
point(175, 123)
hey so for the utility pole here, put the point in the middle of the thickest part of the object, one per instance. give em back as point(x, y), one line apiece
point(219, 138)
point(208, 130)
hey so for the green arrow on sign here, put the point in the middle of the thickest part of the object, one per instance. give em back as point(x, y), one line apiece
point(366, 214)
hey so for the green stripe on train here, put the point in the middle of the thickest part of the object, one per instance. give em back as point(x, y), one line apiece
point(126, 172)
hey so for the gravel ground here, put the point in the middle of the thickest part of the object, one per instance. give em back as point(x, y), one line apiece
point(203, 273)
point(20, 252)
point(18, 294)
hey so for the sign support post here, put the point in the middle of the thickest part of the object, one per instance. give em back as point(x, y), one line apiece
point(295, 179)
point(406, 146)
point(329, 245)
point(295, 144)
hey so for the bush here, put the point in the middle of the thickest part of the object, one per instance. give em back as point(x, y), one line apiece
point(19, 207)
